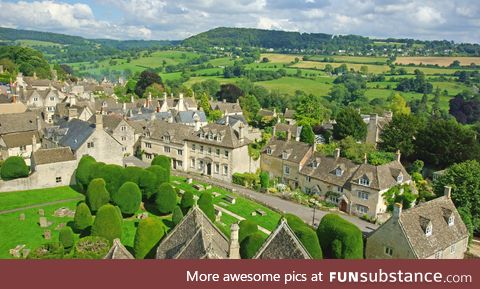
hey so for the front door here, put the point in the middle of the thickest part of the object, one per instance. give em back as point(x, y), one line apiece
point(343, 206)
point(209, 169)
point(174, 162)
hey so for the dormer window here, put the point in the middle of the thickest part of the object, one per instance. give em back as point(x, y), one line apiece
point(451, 220)
point(166, 138)
point(284, 155)
point(364, 181)
point(400, 178)
point(315, 164)
point(202, 135)
point(428, 230)
point(269, 151)
point(210, 136)
point(448, 216)
point(338, 172)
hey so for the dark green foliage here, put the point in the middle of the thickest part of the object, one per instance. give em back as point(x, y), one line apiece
point(128, 198)
point(82, 174)
point(149, 233)
point(53, 250)
point(133, 174)
point(66, 237)
point(250, 245)
point(249, 180)
point(467, 220)
point(166, 199)
point(91, 247)
point(378, 158)
point(400, 133)
point(306, 235)
point(187, 201)
point(83, 217)
point(148, 184)
point(108, 223)
point(417, 167)
point(14, 168)
point(339, 239)
point(307, 135)
point(264, 180)
point(247, 228)
point(162, 161)
point(114, 177)
point(229, 92)
point(28, 61)
point(205, 203)
point(349, 123)
point(394, 195)
point(97, 195)
point(177, 215)
point(147, 78)
point(417, 84)
point(161, 175)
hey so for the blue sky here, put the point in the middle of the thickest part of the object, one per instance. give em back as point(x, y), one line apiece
point(457, 20)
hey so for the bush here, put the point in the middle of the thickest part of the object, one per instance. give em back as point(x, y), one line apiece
point(91, 247)
point(205, 203)
point(467, 220)
point(248, 180)
point(264, 180)
point(187, 201)
point(306, 235)
point(97, 195)
point(250, 245)
point(162, 176)
point(14, 168)
point(128, 198)
point(108, 223)
point(53, 250)
point(95, 171)
point(148, 184)
point(133, 174)
point(149, 233)
point(177, 215)
point(166, 199)
point(82, 174)
point(83, 217)
point(114, 177)
point(246, 228)
point(66, 237)
point(162, 161)
point(339, 239)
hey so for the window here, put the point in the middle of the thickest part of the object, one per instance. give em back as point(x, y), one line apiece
point(179, 164)
point(225, 169)
point(364, 181)
point(148, 156)
point(284, 155)
point(209, 150)
point(123, 128)
point(180, 152)
point(308, 178)
point(35, 99)
point(452, 249)
point(90, 145)
point(286, 170)
point(58, 180)
point(400, 178)
point(192, 163)
point(333, 199)
point(210, 136)
point(362, 195)
point(148, 145)
point(218, 152)
point(269, 151)
point(193, 147)
point(338, 172)
point(388, 251)
point(23, 148)
point(52, 98)
point(217, 168)
point(450, 220)
point(340, 189)
point(226, 153)
point(166, 149)
point(124, 149)
point(200, 165)
point(428, 230)
point(362, 209)
point(166, 138)
point(124, 138)
point(438, 255)
point(201, 149)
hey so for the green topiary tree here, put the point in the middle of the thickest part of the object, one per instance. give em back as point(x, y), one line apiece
point(114, 177)
point(250, 245)
point(53, 250)
point(14, 168)
point(97, 195)
point(95, 171)
point(177, 215)
point(91, 247)
point(148, 184)
point(306, 235)
point(264, 180)
point(187, 201)
point(166, 199)
point(246, 228)
point(162, 161)
point(205, 203)
point(128, 198)
point(339, 239)
point(149, 233)
point(132, 174)
point(108, 223)
point(83, 217)
point(162, 176)
point(66, 237)
point(307, 135)
point(82, 174)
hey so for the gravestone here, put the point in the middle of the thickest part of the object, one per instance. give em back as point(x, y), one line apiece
point(231, 199)
point(189, 181)
point(16, 252)
point(208, 187)
point(218, 215)
point(181, 192)
point(215, 194)
point(44, 223)
point(25, 253)
point(254, 214)
point(21, 217)
point(41, 212)
point(47, 234)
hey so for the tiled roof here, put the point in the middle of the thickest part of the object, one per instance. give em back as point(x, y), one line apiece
point(381, 177)
point(324, 168)
point(296, 151)
point(226, 106)
point(189, 116)
point(175, 131)
point(226, 136)
point(54, 155)
point(118, 251)
point(289, 113)
point(15, 140)
point(295, 130)
point(18, 122)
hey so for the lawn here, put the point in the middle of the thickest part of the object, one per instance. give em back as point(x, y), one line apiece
point(355, 66)
point(440, 61)
point(291, 84)
point(351, 59)
point(280, 58)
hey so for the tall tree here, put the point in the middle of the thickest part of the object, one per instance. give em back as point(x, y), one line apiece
point(399, 105)
point(311, 110)
point(147, 78)
point(307, 135)
point(400, 133)
point(349, 123)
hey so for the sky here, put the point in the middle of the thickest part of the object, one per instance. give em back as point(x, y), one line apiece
point(457, 20)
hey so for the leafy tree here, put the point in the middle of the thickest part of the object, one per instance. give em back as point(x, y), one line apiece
point(14, 168)
point(250, 106)
point(163, 161)
point(83, 217)
point(66, 237)
point(148, 184)
point(208, 87)
point(205, 203)
point(246, 228)
point(187, 201)
point(467, 220)
point(465, 109)
point(400, 134)
point(147, 237)
point(250, 245)
point(52, 250)
point(264, 180)
point(97, 195)
point(307, 135)
point(311, 110)
point(91, 247)
point(400, 194)
point(133, 174)
point(128, 198)
point(177, 215)
point(108, 223)
point(339, 239)
point(399, 105)
point(355, 151)
point(349, 123)
point(147, 78)
point(166, 198)
point(156, 90)
point(417, 84)
point(229, 92)
point(306, 235)
point(28, 60)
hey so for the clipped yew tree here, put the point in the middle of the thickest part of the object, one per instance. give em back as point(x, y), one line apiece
point(187, 202)
point(14, 168)
point(132, 174)
point(306, 235)
point(177, 215)
point(114, 176)
point(148, 184)
point(83, 172)
point(162, 161)
point(83, 217)
point(149, 233)
point(205, 203)
point(91, 247)
point(264, 180)
point(250, 245)
point(97, 195)
point(52, 250)
point(108, 223)
point(166, 199)
point(128, 198)
point(339, 239)
point(66, 237)
point(161, 175)
point(247, 228)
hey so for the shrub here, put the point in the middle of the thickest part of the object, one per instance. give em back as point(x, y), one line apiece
point(149, 233)
point(166, 199)
point(264, 180)
point(95, 171)
point(248, 180)
point(66, 237)
point(246, 228)
point(306, 235)
point(113, 175)
point(162, 161)
point(91, 247)
point(187, 201)
point(250, 245)
point(97, 195)
point(161, 175)
point(205, 203)
point(108, 223)
point(14, 168)
point(177, 215)
point(83, 217)
point(148, 184)
point(339, 239)
point(82, 174)
point(128, 198)
point(133, 174)
point(53, 250)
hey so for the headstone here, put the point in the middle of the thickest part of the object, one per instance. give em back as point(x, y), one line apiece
point(215, 194)
point(230, 199)
point(176, 182)
point(41, 212)
point(43, 222)
point(25, 253)
point(208, 187)
point(21, 217)
point(47, 234)
point(189, 181)
point(181, 192)
point(261, 212)
point(254, 214)
point(198, 187)
point(64, 212)
point(16, 252)
point(195, 197)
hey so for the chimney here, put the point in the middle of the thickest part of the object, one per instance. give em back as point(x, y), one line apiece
point(39, 123)
point(196, 118)
point(399, 155)
point(447, 192)
point(34, 75)
point(289, 135)
point(365, 158)
point(98, 121)
point(241, 132)
point(234, 248)
point(149, 99)
point(34, 143)
point(337, 153)
point(274, 131)
point(73, 100)
point(124, 106)
point(397, 210)
point(132, 98)
point(224, 100)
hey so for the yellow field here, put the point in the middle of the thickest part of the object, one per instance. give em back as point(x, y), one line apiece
point(441, 61)
point(280, 58)
point(355, 66)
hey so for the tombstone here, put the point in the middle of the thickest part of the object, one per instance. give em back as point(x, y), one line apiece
point(47, 234)
point(41, 212)
point(195, 197)
point(218, 215)
point(64, 212)
point(25, 253)
point(44, 223)
point(254, 214)
point(21, 217)
point(198, 187)
point(15, 252)
point(215, 194)
point(230, 199)
point(208, 187)
point(181, 192)
point(261, 212)
point(189, 181)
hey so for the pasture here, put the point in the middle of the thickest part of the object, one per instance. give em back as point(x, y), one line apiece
point(440, 61)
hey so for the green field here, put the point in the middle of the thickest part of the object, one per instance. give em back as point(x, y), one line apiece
point(33, 43)
point(15, 200)
point(350, 59)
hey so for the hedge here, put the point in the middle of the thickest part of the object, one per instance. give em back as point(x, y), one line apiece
point(83, 217)
point(205, 203)
point(82, 174)
point(114, 177)
point(97, 195)
point(91, 247)
point(128, 198)
point(149, 233)
point(246, 229)
point(264, 180)
point(339, 239)
point(248, 180)
point(148, 184)
point(166, 199)
point(108, 223)
point(14, 168)
point(162, 161)
point(250, 245)
point(306, 235)
point(177, 215)
point(187, 201)
point(53, 250)
point(133, 174)
point(66, 237)
point(162, 176)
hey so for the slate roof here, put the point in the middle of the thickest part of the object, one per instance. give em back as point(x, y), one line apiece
point(266, 113)
point(289, 113)
point(18, 122)
point(232, 120)
point(443, 235)
point(54, 155)
point(148, 116)
point(15, 140)
point(295, 150)
point(195, 237)
point(282, 244)
point(226, 106)
point(188, 116)
point(138, 125)
point(71, 133)
point(118, 252)
point(228, 136)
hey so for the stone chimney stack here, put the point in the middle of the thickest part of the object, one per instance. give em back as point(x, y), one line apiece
point(337, 153)
point(234, 248)
point(34, 75)
point(224, 100)
point(196, 118)
point(149, 99)
point(73, 100)
point(227, 118)
point(124, 106)
point(39, 123)
point(241, 132)
point(289, 135)
point(365, 158)
point(399, 155)
point(397, 210)
point(132, 98)
point(447, 192)
point(34, 143)
point(98, 121)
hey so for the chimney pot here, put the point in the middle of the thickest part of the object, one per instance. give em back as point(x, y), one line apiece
point(447, 192)
point(399, 155)
point(337, 153)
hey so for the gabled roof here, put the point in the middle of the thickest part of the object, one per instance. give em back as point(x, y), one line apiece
point(177, 132)
point(76, 132)
point(296, 150)
point(229, 137)
point(54, 155)
point(15, 140)
point(188, 116)
point(226, 106)
point(326, 169)
point(294, 129)
point(118, 251)
point(289, 113)
point(232, 120)
point(381, 177)
point(18, 122)
point(282, 244)
point(195, 237)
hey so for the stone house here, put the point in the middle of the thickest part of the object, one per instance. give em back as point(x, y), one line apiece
point(375, 125)
point(432, 230)
point(54, 167)
point(291, 131)
point(227, 108)
point(44, 101)
point(289, 116)
point(118, 127)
